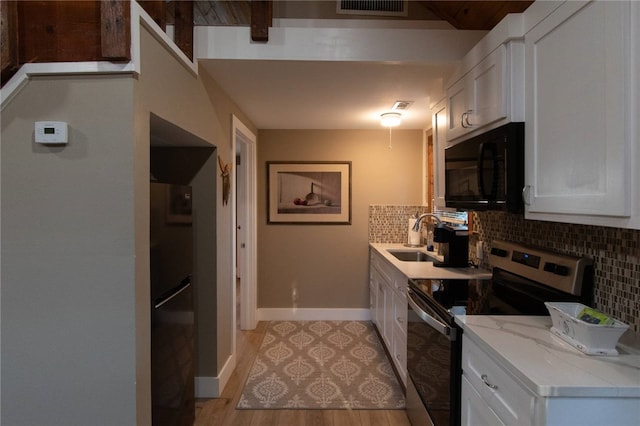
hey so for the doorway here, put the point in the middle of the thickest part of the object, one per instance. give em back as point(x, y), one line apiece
point(244, 147)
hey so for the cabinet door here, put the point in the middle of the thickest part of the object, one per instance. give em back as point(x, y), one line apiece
point(373, 295)
point(458, 105)
point(475, 411)
point(488, 95)
point(380, 308)
point(388, 317)
point(578, 111)
point(439, 123)
point(400, 312)
point(399, 353)
point(480, 97)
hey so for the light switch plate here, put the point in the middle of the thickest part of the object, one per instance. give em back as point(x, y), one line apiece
point(54, 132)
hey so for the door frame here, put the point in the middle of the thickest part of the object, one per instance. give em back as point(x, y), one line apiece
point(244, 143)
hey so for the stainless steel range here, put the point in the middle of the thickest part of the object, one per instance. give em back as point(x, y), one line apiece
point(523, 278)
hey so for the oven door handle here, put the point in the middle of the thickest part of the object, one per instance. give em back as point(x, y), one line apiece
point(436, 324)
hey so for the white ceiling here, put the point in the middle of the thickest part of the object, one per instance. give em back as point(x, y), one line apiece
point(334, 74)
point(283, 94)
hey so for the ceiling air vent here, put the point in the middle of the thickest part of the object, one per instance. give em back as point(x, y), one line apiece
point(401, 105)
point(373, 7)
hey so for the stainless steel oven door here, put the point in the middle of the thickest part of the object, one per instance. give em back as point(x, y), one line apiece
point(432, 364)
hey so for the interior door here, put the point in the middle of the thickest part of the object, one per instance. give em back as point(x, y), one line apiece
point(244, 141)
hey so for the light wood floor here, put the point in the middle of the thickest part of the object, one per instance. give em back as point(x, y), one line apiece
point(221, 411)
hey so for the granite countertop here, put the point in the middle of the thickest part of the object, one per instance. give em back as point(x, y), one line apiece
point(426, 270)
point(549, 366)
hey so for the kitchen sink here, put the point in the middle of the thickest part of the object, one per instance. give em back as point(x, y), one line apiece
point(411, 255)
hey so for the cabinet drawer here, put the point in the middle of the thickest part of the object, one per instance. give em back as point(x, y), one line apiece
point(475, 411)
point(400, 283)
point(389, 273)
point(386, 271)
point(510, 400)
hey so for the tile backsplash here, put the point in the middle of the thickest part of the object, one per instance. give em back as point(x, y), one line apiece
point(389, 223)
point(615, 252)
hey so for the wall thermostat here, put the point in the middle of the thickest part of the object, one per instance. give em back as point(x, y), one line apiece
point(51, 132)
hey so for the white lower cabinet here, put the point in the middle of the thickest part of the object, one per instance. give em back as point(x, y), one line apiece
point(503, 396)
point(491, 395)
point(475, 411)
point(373, 295)
point(389, 313)
point(399, 352)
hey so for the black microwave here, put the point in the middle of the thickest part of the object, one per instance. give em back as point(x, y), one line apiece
point(486, 172)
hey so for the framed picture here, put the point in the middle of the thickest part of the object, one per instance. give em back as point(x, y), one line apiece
point(316, 192)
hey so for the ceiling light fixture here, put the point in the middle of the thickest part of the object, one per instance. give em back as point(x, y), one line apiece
point(390, 119)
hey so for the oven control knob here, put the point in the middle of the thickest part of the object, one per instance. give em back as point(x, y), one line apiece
point(554, 268)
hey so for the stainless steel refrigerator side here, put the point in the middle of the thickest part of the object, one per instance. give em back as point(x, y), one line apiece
point(172, 306)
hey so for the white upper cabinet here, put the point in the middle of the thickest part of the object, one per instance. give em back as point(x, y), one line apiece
point(439, 126)
point(478, 98)
point(458, 105)
point(581, 106)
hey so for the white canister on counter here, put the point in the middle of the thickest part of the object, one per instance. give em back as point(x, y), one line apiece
point(415, 237)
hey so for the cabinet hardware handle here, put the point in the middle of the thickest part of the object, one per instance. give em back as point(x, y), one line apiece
point(466, 118)
point(462, 120)
point(486, 382)
point(526, 191)
point(400, 320)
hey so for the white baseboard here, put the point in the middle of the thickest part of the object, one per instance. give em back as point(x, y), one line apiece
point(313, 314)
point(207, 387)
point(212, 387)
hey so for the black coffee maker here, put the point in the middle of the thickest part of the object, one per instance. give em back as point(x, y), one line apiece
point(456, 245)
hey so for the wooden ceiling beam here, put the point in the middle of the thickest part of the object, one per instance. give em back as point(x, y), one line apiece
point(155, 9)
point(8, 39)
point(474, 15)
point(183, 27)
point(115, 29)
point(58, 31)
point(261, 19)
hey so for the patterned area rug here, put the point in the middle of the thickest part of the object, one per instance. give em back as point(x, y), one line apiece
point(321, 365)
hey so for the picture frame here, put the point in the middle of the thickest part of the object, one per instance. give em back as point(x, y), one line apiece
point(309, 192)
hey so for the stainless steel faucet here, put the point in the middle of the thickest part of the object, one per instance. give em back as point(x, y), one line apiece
point(416, 225)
